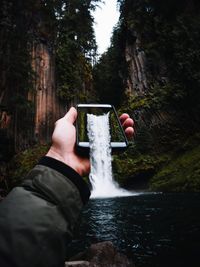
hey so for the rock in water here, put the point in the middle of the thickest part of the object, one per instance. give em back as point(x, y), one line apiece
point(77, 264)
point(102, 254)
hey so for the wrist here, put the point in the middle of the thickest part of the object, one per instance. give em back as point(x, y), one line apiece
point(67, 159)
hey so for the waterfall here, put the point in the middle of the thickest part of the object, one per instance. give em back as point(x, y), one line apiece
point(101, 176)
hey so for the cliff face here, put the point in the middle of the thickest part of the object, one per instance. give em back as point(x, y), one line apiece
point(136, 60)
point(160, 40)
point(34, 122)
point(47, 106)
point(153, 124)
point(23, 127)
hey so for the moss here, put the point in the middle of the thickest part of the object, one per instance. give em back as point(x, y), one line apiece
point(182, 174)
point(139, 102)
point(136, 167)
point(23, 162)
point(178, 171)
point(173, 170)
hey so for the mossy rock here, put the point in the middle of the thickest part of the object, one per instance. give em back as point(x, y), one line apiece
point(182, 174)
point(130, 170)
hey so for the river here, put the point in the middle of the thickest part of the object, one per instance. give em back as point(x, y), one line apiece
point(153, 229)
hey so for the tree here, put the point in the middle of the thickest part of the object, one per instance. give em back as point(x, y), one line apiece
point(110, 72)
point(76, 49)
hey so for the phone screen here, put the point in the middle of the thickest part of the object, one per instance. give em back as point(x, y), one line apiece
point(118, 138)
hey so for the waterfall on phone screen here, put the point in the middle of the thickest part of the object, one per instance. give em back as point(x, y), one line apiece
point(101, 176)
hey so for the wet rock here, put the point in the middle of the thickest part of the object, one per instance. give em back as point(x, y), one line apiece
point(77, 264)
point(102, 254)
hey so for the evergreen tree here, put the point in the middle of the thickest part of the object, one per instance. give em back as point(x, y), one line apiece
point(110, 71)
point(76, 49)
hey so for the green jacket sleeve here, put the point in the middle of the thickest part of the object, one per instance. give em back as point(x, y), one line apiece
point(37, 218)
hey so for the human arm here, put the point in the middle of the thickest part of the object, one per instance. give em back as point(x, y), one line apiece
point(37, 217)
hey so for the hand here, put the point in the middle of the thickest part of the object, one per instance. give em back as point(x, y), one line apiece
point(63, 144)
point(64, 139)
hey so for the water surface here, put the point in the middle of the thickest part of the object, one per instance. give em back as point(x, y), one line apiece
point(155, 230)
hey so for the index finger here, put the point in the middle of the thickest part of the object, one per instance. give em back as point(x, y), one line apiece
point(123, 117)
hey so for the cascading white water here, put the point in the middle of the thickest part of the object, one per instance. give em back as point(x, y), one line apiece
point(101, 177)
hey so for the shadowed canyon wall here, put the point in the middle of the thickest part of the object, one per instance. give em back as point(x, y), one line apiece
point(34, 123)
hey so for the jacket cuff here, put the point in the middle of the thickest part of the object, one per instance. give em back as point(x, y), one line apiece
point(68, 172)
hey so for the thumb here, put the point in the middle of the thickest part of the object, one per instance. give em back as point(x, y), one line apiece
point(71, 115)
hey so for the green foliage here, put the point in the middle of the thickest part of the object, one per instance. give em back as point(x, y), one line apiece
point(138, 102)
point(76, 48)
point(175, 171)
point(23, 162)
point(182, 174)
point(158, 98)
point(15, 63)
point(65, 26)
point(132, 165)
point(74, 71)
point(169, 33)
point(109, 72)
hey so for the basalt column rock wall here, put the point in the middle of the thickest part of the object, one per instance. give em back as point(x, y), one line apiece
point(136, 59)
point(47, 106)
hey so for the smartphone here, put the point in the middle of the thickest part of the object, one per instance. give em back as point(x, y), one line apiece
point(118, 141)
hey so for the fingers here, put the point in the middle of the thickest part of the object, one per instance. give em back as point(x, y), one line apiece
point(71, 115)
point(129, 132)
point(126, 121)
point(123, 117)
point(127, 124)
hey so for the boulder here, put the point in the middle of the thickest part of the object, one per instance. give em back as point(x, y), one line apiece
point(102, 254)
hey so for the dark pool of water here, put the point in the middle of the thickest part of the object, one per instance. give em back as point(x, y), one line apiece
point(155, 230)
